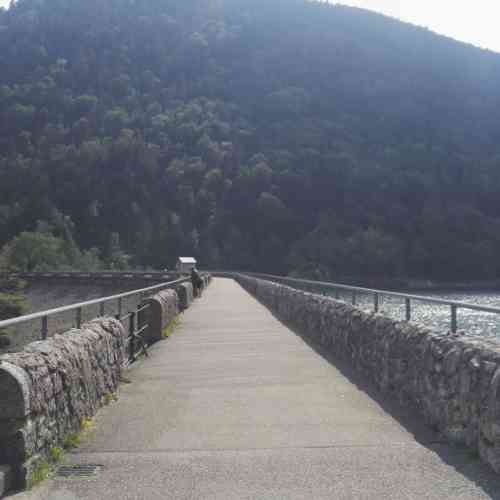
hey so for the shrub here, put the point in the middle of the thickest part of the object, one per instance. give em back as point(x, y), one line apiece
point(12, 305)
point(4, 340)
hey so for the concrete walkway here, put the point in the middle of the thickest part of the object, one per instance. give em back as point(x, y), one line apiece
point(236, 406)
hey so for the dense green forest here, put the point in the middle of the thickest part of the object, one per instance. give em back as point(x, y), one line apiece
point(273, 135)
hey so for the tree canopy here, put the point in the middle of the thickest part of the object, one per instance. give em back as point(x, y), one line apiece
point(272, 135)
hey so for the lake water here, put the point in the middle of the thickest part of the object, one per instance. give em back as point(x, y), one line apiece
point(435, 316)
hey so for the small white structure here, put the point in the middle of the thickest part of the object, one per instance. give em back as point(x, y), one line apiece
point(185, 264)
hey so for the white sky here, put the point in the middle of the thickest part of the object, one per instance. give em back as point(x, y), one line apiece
point(473, 21)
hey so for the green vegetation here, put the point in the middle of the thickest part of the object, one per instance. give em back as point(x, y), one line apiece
point(56, 455)
point(13, 303)
point(110, 398)
point(72, 441)
point(171, 327)
point(51, 246)
point(12, 300)
point(88, 425)
point(41, 473)
point(272, 135)
point(44, 468)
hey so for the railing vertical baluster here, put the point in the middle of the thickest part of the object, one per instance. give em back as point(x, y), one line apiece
point(353, 298)
point(375, 302)
point(76, 310)
point(45, 327)
point(408, 309)
point(79, 317)
point(454, 319)
point(131, 331)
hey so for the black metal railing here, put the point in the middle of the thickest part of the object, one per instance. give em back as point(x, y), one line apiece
point(355, 292)
point(95, 275)
point(136, 344)
point(136, 341)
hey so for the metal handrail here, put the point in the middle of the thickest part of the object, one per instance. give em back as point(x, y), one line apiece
point(454, 305)
point(87, 273)
point(93, 274)
point(78, 307)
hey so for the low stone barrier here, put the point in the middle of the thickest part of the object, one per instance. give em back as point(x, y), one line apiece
point(205, 281)
point(161, 311)
point(452, 380)
point(49, 388)
point(186, 295)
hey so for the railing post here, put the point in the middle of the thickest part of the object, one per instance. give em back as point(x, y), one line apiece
point(375, 302)
point(101, 309)
point(131, 331)
point(353, 298)
point(408, 309)
point(79, 318)
point(45, 327)
point(454, 319)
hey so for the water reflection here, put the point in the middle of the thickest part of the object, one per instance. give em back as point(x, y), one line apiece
point(436, 316)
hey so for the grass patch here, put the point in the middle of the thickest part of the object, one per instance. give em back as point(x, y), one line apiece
point(110, 398)
point(75, 439)
point(12, 305)
point(88, 425)
point(72, 441)
point(44, 468)
point(56, 455)
point(41, 473)
point(170, 328)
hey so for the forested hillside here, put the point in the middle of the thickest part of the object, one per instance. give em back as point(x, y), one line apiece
point(273, 135)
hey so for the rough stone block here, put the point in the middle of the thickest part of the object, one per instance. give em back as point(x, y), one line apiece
point(186, 295)
point(162, 310)
point(453, 381)
point(47, 389)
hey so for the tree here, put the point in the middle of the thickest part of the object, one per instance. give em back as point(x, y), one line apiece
point(33, 251)
point(291, 130)
point(117, 258)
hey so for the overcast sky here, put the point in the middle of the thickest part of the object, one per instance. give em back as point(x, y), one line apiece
point(473, 21)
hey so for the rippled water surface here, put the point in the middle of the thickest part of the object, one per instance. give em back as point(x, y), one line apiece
point(437, 316)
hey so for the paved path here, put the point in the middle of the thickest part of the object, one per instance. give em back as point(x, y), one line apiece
point(236, 406)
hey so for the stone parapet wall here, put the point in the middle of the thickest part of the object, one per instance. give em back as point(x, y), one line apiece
point(186, 295)
point(161, 311)
point(49, 388)
point(453, 381)
point(207, 279)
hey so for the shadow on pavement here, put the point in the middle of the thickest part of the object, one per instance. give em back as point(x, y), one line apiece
point(460, 458)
